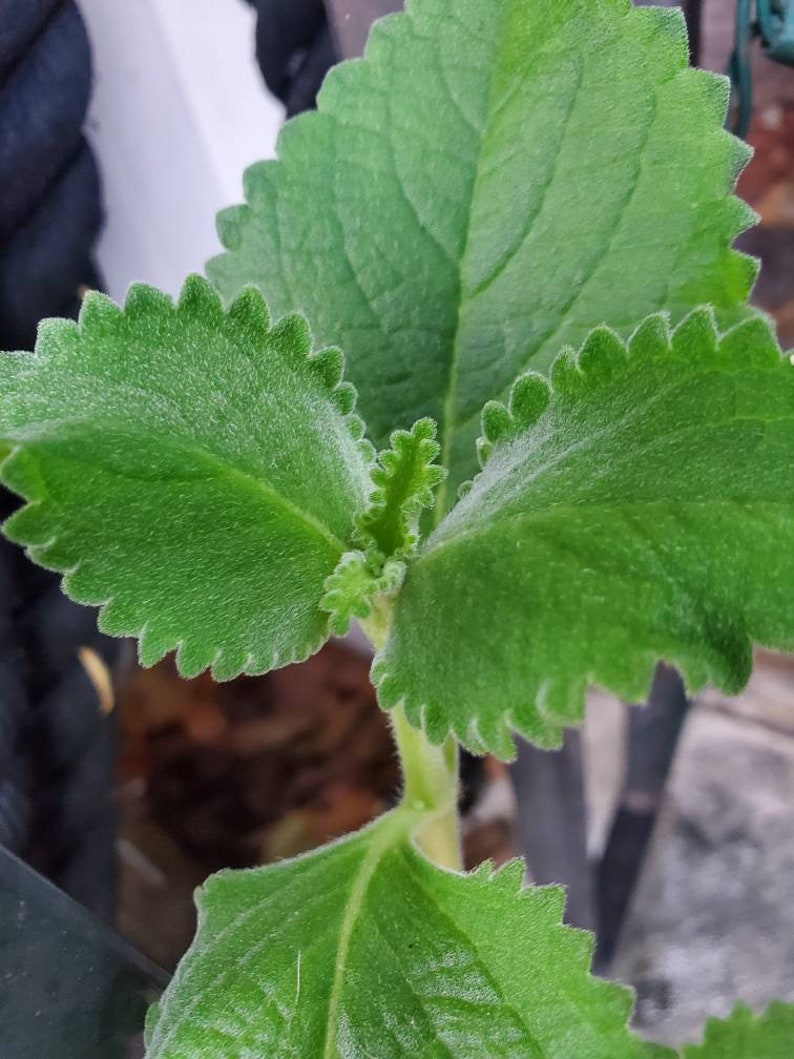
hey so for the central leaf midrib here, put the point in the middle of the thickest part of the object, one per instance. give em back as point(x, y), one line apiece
point(388, 831)
point(469, 941)
point(448, 405)
point(228, 469)
point(310, 520)
point(566, 508)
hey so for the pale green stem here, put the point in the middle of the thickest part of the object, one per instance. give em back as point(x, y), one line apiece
point(430, 777)
point(430, 772)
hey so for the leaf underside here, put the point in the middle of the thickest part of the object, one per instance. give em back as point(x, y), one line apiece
point(366, 949)
point(640, 508)
point(193, 471)
point(748, 1036)
point(490, 183)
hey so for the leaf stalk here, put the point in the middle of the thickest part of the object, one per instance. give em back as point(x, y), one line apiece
point(430, 788)
point(430, 771)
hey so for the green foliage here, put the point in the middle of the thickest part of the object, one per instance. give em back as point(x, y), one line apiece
point(194, 472)
point(494, 182)
point(640, 507)
point(356, 582)
point(747, 1036)
point(489, 184)
point(405, 479)
point(365, 948)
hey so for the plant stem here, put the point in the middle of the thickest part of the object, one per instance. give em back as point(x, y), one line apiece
point(430, 775)
point(430, 772)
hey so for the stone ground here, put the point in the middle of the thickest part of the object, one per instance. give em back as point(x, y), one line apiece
point(713, 916)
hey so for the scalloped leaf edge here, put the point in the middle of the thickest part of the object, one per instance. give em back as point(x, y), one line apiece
point(249, 312)
point(577, 375)
point(506, 882)
point(731, 215)
point(404, 478)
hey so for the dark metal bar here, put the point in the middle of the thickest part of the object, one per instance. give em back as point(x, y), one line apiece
point(654, 733)
point(693, 11)
point(551, 826)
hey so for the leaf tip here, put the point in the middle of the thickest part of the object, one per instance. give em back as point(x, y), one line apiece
point(497, 423)
point(652, 337)
point(696, 337)
point(146, 302)
point(602, 356)
point(199, 298)
point(249, 312)
point(566, 378)
point(529, 399)
point(404, 479)
point(329, 367)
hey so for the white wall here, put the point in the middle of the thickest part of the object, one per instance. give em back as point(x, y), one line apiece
point(179, 111)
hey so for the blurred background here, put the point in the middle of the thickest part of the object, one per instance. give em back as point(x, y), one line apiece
point(123, 129)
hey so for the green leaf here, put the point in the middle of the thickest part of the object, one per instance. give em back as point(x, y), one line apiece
point(641, 508)
point(354, 584)
point(491, 182)
point(366, 949)
point(748, 1036)
point(196, 473)
point(405, 478)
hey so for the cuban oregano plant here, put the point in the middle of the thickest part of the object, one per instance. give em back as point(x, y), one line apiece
point(516, 218)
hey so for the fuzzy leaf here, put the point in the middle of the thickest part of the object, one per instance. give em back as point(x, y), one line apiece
point(405, 478)
point(366, 949)
point(640, 509)
point(194, 472)
point(350, 590)
point(490, 183)
point(748, 1036)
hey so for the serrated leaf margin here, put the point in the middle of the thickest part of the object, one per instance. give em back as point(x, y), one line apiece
point(576, 375)
point(404, 479)
point(250, 314)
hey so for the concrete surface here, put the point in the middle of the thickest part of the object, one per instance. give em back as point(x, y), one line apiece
point(713, 917)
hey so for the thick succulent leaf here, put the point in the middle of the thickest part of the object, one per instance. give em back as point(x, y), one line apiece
point(366, 949)
point(640, 508)
point(748, 1036)
point(492, 181)
point(405, 478)
point(195, 472)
